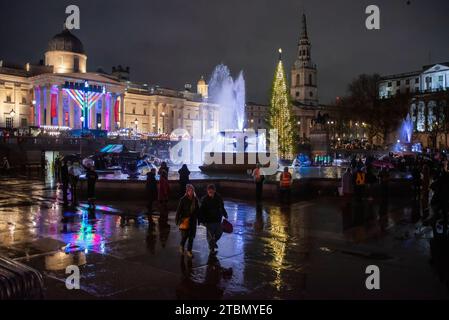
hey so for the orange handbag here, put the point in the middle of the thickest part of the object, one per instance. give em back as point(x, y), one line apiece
point(185, 224)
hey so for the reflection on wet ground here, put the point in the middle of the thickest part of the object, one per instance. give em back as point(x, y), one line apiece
point(313, 249)
point(298, 173)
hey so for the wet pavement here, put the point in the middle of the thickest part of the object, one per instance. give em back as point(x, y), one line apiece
point(311, 249)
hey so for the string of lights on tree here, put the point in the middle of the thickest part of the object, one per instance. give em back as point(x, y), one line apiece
point(280, 113)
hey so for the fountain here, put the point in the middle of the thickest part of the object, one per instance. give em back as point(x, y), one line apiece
point(232, 148)
point(405, 143)
point(230, 95)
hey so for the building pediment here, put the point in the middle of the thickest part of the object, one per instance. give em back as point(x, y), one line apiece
point(436, 68)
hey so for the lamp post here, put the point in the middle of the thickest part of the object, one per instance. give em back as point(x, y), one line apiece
point(136, 122)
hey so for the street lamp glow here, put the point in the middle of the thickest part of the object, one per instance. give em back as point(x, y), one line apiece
point(99, 125)
point(82, 119)
point(12, 113)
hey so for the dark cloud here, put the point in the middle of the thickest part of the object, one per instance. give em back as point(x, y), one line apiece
point(173, 42)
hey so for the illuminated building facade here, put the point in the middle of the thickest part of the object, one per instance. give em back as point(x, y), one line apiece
point(61, 92)
point(429, 90)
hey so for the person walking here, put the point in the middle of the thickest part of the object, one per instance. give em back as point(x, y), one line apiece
point(164, 167)
point(259, 179)
point(91, 177)
point(151, 188)
point(163, 197)
point(347, 184)
point(74, 173)
point(211, 214)
point(184, 179)
point(65, 181)
point(57, 168)
point(285, 185)
point(187, 219)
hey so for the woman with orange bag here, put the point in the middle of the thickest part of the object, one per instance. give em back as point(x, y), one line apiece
point(187, 219)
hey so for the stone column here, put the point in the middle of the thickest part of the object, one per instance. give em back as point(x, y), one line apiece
point(48, 105)
point(93, 117)
point(72, 121)
point(158, 113)
point(103, 112)
point(60, 107)
point(41, 107)
point(122, 111)
point(111, 104)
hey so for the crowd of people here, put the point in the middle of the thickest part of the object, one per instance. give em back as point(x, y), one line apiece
point(67, 173)
point(429, 183)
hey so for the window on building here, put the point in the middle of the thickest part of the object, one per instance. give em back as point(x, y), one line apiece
point(398, 91)
point(9, 123)
point(310, 79)
point(144, 112)
point(398, 82)
point(76, 64)
point(134, 110)
point(407, 82)
point(297, 79)
point(8, 98)
point(389, 84)
point(297, 93)
point(24, 100)
point(311, 94)
point(416, 80)
point(23, 123)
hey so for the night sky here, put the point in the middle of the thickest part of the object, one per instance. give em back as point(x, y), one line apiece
point(173, 42)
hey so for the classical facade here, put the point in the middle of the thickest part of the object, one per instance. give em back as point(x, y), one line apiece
point(429, 90)
point(60, 92)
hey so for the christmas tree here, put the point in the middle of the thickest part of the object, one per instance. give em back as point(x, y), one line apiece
point(281, 115)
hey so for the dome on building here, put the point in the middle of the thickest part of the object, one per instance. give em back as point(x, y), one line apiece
point(66, 41)
point(202, 82)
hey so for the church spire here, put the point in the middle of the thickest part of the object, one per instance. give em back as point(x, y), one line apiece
point(304, 34)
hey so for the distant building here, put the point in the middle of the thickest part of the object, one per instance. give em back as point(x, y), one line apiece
point(431, 78)
point(60, 92)
point(256, 115)
point(429, 89)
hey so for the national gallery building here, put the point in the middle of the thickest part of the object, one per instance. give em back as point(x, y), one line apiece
point(61, 93)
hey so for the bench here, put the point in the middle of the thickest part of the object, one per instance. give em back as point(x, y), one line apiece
point(19, 282)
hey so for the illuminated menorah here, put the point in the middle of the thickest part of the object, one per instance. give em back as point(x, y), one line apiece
point(85, 97)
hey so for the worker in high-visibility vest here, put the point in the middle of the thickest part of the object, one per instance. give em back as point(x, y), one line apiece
point(285, 185)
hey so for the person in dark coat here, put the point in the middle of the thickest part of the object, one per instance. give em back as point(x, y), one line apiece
point(187, 219)
point(163, 196)
point(164, 167)
point(91, 177)
point(211, 214)
point(151, 187)
point(65, 181)
point(184, 179)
